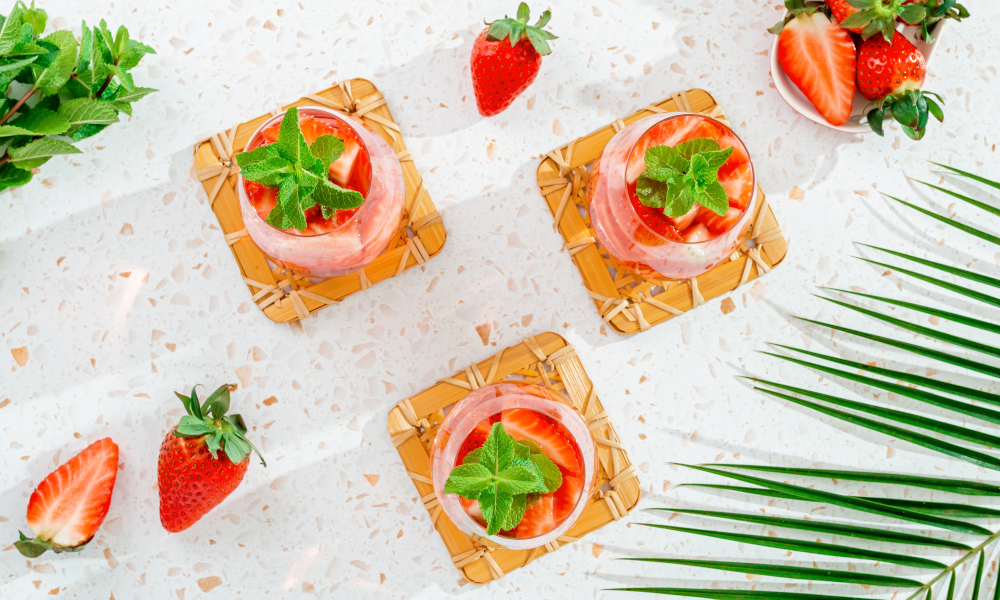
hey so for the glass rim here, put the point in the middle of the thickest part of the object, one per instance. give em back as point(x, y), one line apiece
point(241, 183)
point(753, 174)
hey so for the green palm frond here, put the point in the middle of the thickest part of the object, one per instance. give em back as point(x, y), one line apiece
point(938, 520)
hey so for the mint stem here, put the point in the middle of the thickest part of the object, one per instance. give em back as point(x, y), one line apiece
point(20, 103)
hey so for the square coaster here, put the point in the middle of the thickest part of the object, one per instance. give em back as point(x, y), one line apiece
point(546, 359)
point(283, 296)
point(626, 301)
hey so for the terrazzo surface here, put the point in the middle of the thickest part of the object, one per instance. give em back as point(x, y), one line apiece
point(117, 288)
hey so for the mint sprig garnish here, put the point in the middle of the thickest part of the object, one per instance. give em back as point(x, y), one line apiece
point(505, 476)
point(677, 178)
point(300, 172)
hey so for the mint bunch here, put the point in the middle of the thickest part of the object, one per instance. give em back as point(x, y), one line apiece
point(54, 86)
point(506, 477)
point(300, 172)
point(676, 179)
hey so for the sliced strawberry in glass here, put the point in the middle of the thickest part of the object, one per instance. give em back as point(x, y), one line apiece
point(697, 233)
point(342, 168)
point(523, 424)
point(539, 519)
point(738, 182)
point(719, 224)
point(739, 155)
point(565, 499)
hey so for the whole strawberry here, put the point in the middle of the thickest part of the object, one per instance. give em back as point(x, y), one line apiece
point(505, 59)
point(869, 17)
point(193, 476)
point(891, 75)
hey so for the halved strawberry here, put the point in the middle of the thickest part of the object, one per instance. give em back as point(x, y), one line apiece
point(524, 424)
point(539, 518)
point(820, 58)
point(69, 505)
point(739, 185)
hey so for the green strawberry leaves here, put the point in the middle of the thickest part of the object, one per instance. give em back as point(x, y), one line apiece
point(677, 178)
point(501, 475)
point(517, 29)
point(300, 172)
point(210, 422)
point(911, 109)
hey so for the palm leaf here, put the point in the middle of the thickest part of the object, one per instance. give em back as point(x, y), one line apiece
point(979, 576)
point(787, 572)
point(952, 287)
point(944, 314)
point(964, 273)
point(982, 205)
point(793, 545)
point(857, 531)
point(957, 431)
point(944, 357)
point(969, 175)
point(971, 410)
point(934, 334)
point(950, 222)
point(860, 504)
point(945, 509)
point(732, 594)
point(972, 456)
point(955, 486)
point(943, 386)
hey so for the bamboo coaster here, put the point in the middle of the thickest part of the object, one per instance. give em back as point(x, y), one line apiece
point(285, 297)
point(626, 301)
point(546, 359)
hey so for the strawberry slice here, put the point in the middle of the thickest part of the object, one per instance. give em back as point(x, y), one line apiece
point(342, 168)
point(475, 439)
point(719, 224)
point(697, 233)
point(819, 57)
point(739, 185)
point(69, 505)
point(539, 519)
point(524, 424)
point(565, 499)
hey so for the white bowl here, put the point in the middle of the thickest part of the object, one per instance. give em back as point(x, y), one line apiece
point(797, 100)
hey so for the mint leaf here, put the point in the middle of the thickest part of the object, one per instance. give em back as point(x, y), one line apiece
point(333, 197)
point(133, 93)
point(718, 158)
point(551, 475)
point(498, 451)
point(271, 172)
point(27, 49)
point(52, 78)
point(10, 31)
point(134, 51)
point(697, 146)
point(276, 218)
point(38, 121)
point(518, 505)
point(327, 148)
point(291, 143)
point(291, 202)
point(245, 159)
point(519, 478)
point(38, 152)
point(496, 507)
point(472, 457)
point(468, 480)
point(715, 199)
point(11, 176)
point(35, 17)
point(663, 162)
point(521, 450)
point(533, 448)
point(701, 173)
point(87, 111)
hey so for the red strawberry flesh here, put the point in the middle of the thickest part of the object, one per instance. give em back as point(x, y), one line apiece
point(70, 504)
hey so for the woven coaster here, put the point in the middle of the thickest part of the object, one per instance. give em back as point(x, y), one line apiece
point(546, 359)
point(626, 301)
point(283, 296)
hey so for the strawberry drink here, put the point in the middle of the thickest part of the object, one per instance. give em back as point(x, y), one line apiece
point(672, 195)
point(323, 198)
point(515, 463)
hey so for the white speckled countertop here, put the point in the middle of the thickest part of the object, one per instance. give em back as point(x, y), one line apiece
point(117, 289)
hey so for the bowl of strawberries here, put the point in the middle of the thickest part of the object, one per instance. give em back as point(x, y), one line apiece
point(852, 65)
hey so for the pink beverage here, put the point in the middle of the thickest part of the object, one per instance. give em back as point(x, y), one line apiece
point(349, 239)
point(528, 412)
point(644, 239)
